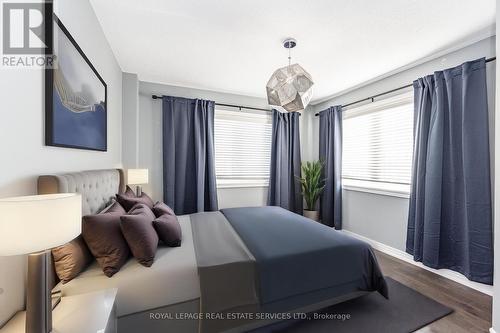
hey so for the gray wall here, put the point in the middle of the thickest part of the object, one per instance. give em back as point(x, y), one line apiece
point(379, 217)
point(130, 124)
point(144, 125)
point(496, 292)
point(24, 155)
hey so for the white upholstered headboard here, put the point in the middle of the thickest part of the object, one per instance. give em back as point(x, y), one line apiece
point(97, 187)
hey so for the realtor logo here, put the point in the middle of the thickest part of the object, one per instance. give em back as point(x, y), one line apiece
point(27, 28)
point(27, 34)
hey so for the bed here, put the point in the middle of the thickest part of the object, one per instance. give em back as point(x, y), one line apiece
point(249, 265)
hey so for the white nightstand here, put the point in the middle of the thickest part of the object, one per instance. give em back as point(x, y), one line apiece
point(85, 313)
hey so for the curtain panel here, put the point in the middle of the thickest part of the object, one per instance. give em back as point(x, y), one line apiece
point(284, 185)
point(189, 183)
point(330, 153)
point(450, 213)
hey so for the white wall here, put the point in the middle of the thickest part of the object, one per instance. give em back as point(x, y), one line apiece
point(148, 133)
point(384, 218)
point(496, 283)
point(24, 155)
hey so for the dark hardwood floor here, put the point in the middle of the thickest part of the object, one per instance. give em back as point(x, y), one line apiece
point(472, 309)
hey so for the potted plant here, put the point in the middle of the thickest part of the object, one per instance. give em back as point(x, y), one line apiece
point(312, 187)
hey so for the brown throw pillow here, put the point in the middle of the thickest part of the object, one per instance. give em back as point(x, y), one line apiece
point(169, 230)
point(129, 192)
point(137, 228)
point(128, 202)
point(104, 238)
point(70, 259)
point(161, 208)
point(113, 207)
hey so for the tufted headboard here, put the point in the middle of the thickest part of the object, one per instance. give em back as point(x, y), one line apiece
point(97, 187)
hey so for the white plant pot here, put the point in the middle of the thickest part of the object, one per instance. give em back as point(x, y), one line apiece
point(312, 214)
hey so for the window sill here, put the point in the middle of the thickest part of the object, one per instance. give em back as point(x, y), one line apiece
point(239, 183)
point(241, 186)
point(392, 190)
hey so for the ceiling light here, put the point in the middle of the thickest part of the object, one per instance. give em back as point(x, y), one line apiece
point(290, 88)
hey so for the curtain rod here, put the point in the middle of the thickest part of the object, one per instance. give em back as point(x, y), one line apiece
point(390, 91)
point(229, 105)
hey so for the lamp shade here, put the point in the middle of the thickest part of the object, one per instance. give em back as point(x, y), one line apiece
point(40, 222)
point(137, 176)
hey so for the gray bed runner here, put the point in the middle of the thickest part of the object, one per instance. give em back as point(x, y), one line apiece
point(225, 266)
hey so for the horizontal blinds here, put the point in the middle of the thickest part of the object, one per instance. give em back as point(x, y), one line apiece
point(378, 145)
point(242, 145)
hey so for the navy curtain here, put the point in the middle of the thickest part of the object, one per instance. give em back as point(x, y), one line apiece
point(188, 155)
point(330, 153)
point(284, 185)
point(450, 216)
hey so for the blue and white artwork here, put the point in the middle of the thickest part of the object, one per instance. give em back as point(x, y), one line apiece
point(77, 116)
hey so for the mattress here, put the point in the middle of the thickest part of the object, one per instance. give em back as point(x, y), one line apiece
point(172, 279)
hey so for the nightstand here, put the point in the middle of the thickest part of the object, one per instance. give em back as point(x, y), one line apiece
point(85, 313)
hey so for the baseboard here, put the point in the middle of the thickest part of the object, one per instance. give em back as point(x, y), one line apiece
point(449, 274)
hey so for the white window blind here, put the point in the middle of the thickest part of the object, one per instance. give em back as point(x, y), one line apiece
point(378, 143)
point(242, 148)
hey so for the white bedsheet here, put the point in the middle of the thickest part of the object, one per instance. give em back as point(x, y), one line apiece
point(173, 278)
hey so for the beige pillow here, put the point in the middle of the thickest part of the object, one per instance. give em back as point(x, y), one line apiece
point(70, 259)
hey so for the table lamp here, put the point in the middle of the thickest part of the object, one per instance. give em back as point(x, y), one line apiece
point(33, 225)
point(137, 177)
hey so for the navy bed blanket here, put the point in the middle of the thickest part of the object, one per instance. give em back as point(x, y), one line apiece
point(296, 256)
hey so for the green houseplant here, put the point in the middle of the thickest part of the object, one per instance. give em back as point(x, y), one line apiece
point(312, 187)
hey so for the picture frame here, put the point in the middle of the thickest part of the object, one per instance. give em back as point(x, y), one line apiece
point(75, 96)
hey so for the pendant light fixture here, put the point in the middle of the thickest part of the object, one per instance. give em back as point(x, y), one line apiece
point(290, 88)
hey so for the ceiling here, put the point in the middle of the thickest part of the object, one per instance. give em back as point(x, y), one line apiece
point(235, 45)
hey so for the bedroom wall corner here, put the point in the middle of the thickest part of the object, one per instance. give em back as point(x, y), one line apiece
point(131, 121)
point(25, 155)
point(308, 135)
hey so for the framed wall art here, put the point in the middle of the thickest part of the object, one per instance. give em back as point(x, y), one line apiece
point(75, 97)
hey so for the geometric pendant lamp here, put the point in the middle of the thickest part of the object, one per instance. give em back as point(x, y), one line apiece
point(290, 88)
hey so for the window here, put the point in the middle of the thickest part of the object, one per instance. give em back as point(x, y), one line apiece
point(378, 145)
point(242, 148)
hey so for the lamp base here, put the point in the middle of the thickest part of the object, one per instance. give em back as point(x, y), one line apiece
point(39, 299)
point(138, 190)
